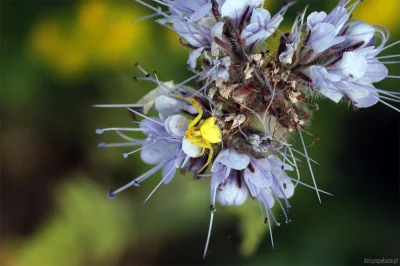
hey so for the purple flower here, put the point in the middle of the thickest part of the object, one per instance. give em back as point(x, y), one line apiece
point(261, 25)
point(234, 9)
point(290, 42)
point(233, 190)
point(323, 30)
point(165, 145)
point(226, 161)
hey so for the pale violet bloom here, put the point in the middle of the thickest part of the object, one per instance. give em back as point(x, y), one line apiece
point(226, 162)
point(356, 32)
point(194, 9)
point(235, 174)
point(235, 10)
point(290, 42)
point(233, 191)
point(268, 182)
point(323, 30)
point(165, 145)
point(262, 25)
point(352, 65)
point(352, 76)
point(196, 35)
point(167, 106)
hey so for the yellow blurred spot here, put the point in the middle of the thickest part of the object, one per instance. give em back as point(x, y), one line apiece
point(102, 33)
point(122, 36)
point(92, 17)
point(46, 37)
point(71, 59)
point(61, 52)
point(379, 12)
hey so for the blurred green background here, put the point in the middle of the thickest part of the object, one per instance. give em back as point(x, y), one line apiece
point(60, 57)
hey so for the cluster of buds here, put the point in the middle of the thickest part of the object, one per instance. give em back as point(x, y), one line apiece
point(242, 121)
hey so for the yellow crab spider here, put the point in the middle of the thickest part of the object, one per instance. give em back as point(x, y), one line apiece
point(202, 133)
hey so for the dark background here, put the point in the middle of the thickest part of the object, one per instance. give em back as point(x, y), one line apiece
point(60, 57)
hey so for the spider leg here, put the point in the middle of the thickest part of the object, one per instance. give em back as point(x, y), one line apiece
point(184, 122)
point(206, 145)
point(197, 106)
point(202, 152)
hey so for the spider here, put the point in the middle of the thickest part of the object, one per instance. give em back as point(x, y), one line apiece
point(202, 133)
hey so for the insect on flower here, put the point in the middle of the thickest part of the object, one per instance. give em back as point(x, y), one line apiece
point(259, 100)
point(204, 134)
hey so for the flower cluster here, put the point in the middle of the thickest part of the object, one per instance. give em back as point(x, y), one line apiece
point(241, 122)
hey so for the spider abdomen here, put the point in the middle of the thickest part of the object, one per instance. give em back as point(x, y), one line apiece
point(209, 130)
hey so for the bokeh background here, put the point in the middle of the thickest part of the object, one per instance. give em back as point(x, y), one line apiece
point(60, 57)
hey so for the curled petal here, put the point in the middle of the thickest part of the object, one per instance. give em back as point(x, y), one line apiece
point(157, 152)
point(315, 18)
point(167, 106)
point(201, 12)
point(267, 198)
point(190, 149)
point(150, 127)
point(258, 176)
point(362, 96)
point(323, 36)
point(322, 82)
point(231, 159)
point(174, 125)
point(193, 57)
point(168, 171)
point(234, 9)
point(375, 72)
point(358, 31)
point(352, 65)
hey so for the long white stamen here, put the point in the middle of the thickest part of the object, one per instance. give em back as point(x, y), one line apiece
point(309, 186)
point(390, 45)
point(122, 135)
point(137, 180)
point(390, 62)
point(280, 204)
point(270, 231)
point(211, 223)
point(187, 80)
point(152, 8)
point(261, 208)
point(388, 56)
point(297, 170)
point(147, 17)
point(268, 210)
point(139, 114)
point(118, 105)
point(304, 155)
point(309, 163)
point(159, 184)
point(388, 93)
point(385, 103)
point(122, 144)
point(126, 154)
point(102, 130)
point(161, 85)
point(171, 6)
point(390, 99)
